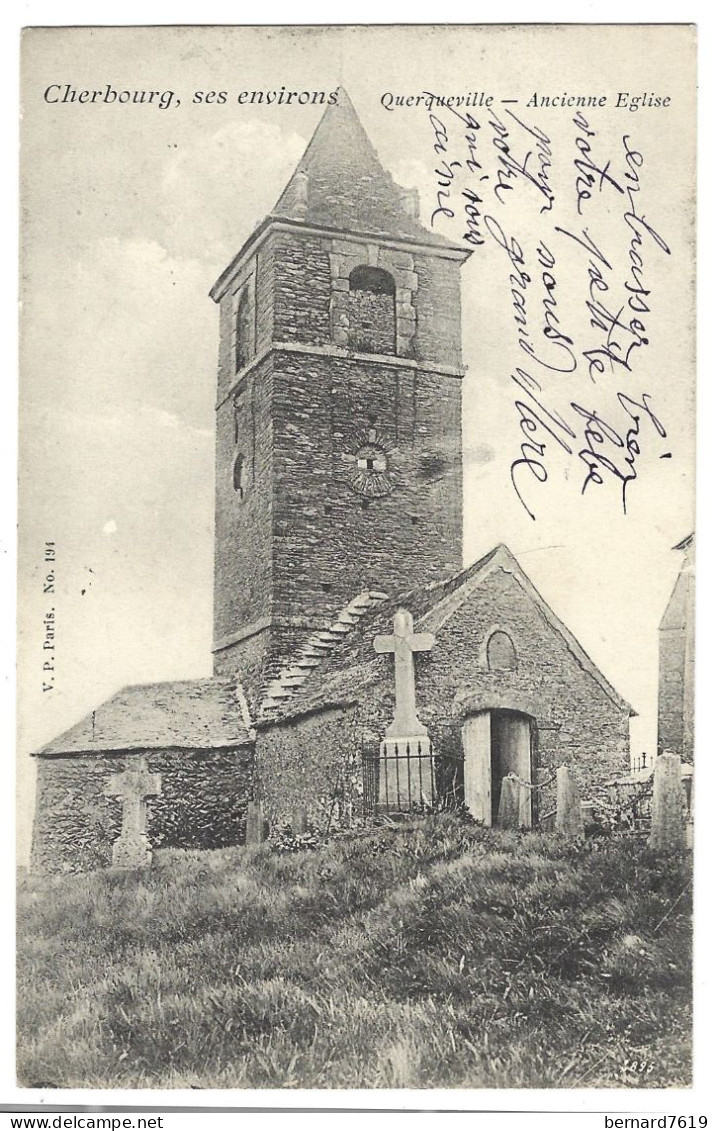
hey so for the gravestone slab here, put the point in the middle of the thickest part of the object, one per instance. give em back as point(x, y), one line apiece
point(509, 805)
point(255, 823)
point(299, 822)
point(667, 833)
point(569, 817)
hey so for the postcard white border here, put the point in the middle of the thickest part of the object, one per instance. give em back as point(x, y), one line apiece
point(699, 1100)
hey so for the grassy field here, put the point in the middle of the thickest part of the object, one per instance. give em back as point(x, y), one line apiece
point(437, 955)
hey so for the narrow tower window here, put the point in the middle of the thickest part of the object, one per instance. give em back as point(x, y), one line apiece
point(372, 310)
point(243, 343)
point(501, 654)
point(240, 476)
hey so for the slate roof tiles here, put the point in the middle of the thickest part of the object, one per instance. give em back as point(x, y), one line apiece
point(194, 713)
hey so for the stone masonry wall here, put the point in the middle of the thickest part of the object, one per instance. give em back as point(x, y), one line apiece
point(304, 766)
point(202, 805)
point(400, 330)
point(302, 289)
point(265, 289)
point(246, 660)
point(308, 529)
point(372, 322)
point(243, 525)
point(577, 724)
point(438, 303)
point(333, 537)
point(258, 658)
point(671, 700)
point(243, 286)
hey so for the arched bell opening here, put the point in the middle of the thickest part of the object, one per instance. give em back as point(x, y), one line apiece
point(372, 310)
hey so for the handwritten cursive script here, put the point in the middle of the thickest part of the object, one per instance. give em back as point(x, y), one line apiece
point(581, 347)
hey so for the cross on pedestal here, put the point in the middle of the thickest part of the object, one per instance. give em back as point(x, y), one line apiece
point(133, 787)
point(403, 644)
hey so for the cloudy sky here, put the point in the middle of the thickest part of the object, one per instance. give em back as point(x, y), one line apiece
point(131, 212)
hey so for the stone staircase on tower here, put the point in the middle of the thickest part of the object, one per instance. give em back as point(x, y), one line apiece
point(286, 684)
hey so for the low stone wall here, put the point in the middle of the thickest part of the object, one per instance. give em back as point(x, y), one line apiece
point(203, 804)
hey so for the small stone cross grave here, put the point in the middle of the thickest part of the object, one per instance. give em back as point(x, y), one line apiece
point(133, 787)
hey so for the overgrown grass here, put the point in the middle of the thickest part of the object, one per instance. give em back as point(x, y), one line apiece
point(437, 955)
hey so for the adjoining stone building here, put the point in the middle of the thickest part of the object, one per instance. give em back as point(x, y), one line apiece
point(191, 733)
point(505, 688)
point(338, 517)
point(675, 713)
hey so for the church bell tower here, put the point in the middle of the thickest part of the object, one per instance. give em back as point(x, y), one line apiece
point(338, 436)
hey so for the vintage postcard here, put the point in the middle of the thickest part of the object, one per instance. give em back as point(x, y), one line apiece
point(356, 557)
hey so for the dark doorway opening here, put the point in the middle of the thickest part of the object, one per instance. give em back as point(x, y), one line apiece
point(497, 743)
point(511, 742)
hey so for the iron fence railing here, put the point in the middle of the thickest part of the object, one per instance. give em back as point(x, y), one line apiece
point(408, 776)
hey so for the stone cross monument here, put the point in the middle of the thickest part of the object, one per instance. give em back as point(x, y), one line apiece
point(404, 777)
point(403, 644)
point(133, 787)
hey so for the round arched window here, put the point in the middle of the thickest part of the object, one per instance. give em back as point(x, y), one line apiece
point(372, 279)
point(500, 653)
point(372, 310)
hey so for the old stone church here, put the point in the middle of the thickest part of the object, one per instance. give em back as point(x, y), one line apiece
point(357, 665)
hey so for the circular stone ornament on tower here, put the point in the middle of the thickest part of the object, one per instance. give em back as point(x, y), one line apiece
point(369, 466)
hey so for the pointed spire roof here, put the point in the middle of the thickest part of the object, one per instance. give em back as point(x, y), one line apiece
point(340, 183)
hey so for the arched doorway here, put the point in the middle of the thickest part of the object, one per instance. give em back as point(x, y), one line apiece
point(496, 743)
